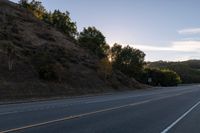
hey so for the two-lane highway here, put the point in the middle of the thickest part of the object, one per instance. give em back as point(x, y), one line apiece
point(161, 110)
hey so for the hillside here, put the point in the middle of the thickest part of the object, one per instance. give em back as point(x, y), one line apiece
point(189, 71)
point(31, 49)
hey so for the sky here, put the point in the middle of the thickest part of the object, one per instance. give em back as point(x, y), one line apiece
point(166, 30)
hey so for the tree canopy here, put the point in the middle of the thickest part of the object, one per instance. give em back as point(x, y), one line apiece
point(58, 19)
point(162, 77)
point(189, 71)
point(35, 6)
point(94, 40)
point(61, 21)
point(128, 60)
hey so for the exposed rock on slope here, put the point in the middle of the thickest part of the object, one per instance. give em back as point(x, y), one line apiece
point(33, 49)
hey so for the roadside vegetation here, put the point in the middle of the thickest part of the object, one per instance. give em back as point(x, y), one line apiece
point(57, 19)
point(128, 60)
point(188, 70)
point(160, 77)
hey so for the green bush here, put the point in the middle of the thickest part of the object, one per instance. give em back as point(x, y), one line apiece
point(158, 77)
point(169, 78)
point(188, 70)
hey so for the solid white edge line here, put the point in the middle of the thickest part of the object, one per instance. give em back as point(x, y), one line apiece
point(180, 118)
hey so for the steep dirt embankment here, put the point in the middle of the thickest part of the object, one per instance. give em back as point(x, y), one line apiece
point(31, 49)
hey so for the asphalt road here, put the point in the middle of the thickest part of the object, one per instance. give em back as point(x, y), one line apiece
point(162, 110)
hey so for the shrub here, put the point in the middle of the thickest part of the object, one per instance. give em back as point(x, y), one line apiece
point(50, 62)
point(170, 78)
point(158, 77)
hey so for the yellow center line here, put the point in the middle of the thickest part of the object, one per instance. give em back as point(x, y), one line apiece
point(89, 113)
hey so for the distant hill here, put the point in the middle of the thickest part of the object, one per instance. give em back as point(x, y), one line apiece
point(34, 49)
point(189, 71)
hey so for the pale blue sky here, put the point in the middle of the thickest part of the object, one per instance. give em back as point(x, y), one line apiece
point(163, 29)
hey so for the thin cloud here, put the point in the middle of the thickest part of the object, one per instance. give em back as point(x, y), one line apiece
point(187, 46)
point(179, 46)
point(190, 31)
point(152, 48)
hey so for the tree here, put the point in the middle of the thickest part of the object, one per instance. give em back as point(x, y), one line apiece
point(59, 20)
point(24, 3)
point(9, 49)
point(128, 60)
point(94, 40)
point(170, 78)
point(163, 77)
point(34, 6)
point(115, 51)
point(37, 8)
point(105, 67)
point(63, 22)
